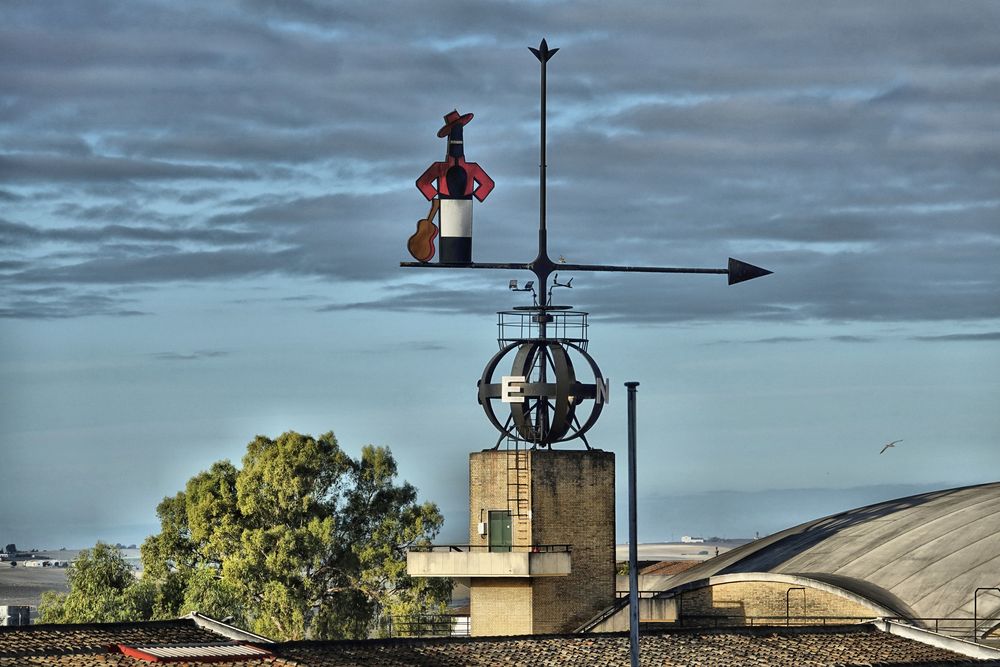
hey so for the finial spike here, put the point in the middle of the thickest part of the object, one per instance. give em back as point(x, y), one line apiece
point(543, 52)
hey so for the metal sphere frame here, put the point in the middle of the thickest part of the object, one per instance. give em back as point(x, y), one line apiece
point(530, 419)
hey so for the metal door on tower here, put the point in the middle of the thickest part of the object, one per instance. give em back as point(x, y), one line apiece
point(500, 531)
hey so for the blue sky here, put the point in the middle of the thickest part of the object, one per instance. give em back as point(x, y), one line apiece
point(203, 208)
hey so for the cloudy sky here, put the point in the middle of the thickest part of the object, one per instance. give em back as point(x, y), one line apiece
point(203, 207)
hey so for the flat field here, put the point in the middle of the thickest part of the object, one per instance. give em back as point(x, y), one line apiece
point(25, 585)
point(22, 585)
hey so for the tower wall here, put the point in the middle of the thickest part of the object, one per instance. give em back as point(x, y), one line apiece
point(573, 502)
point(567, 497)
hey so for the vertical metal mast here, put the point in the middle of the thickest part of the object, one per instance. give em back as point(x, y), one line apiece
point(543, 53)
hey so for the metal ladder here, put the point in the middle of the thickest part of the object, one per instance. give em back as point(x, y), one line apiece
point(518, 489)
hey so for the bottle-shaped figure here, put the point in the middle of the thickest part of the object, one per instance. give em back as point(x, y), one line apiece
point(457, 182)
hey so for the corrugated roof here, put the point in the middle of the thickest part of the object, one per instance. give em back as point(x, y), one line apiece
point(929, 551)
point(216, 652)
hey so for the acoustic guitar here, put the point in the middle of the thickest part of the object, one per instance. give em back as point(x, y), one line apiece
point(421, 244)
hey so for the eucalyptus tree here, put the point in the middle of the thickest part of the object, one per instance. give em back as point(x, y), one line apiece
point(102, 589)
point(300, 541)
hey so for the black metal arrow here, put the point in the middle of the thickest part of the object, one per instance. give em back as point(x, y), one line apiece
point(737, 271)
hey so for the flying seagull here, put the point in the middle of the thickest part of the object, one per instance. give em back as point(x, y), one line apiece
point(891, 444)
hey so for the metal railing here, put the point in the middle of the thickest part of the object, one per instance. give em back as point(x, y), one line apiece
point(642, 593)
point(960, 627)
point(738, 620)
point(427, 625)
point(620, 603)
point(481, 548)
point(565, 326)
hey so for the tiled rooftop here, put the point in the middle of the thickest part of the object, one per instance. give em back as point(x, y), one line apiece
point(842, 646)
point(121, 660)
point(669, 567)
point(85, 637)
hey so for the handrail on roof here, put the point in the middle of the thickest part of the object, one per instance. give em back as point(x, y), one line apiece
point(520, 548)
point(618, 605)
point(225, 629)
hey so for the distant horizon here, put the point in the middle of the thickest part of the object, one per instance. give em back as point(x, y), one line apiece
point(777, 509)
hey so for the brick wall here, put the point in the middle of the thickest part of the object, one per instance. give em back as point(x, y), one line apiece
point(488, 491)
point(573, 502)
point(766, 598)
point(496, 606)
point(500, 607)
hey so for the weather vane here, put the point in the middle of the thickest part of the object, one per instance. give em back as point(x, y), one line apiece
point(542, 390)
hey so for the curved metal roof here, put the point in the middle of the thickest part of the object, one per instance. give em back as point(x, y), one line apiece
point(929, 552)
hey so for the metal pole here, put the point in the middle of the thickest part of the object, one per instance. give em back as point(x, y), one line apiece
point(542, 266)
point(633, 550)
point(542, 412)
point(541, 158)
point(543, 53)
point(788, 602)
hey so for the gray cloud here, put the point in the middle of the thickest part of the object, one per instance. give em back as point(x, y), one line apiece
point(58, 303)
point(852, 339)
point(41, 168)
point(851, 150)
point(18, 234)
point(780, 340)
point(174, 266)
point(989, 336)
point(415, 346)
point(785, 340)
point(412, 297)
point(189, 356)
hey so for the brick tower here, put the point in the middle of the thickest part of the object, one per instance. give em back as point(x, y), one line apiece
point(545, 522)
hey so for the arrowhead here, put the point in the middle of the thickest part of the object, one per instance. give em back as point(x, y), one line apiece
point(741, 271)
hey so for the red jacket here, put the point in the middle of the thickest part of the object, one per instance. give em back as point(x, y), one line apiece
point(478, 183)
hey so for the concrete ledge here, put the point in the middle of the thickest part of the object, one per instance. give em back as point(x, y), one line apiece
point(651, 610)
point(487, 564)
point(938, 640)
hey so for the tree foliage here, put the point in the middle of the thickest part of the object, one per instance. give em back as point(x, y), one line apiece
point(102, 588)
point(300, 542)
